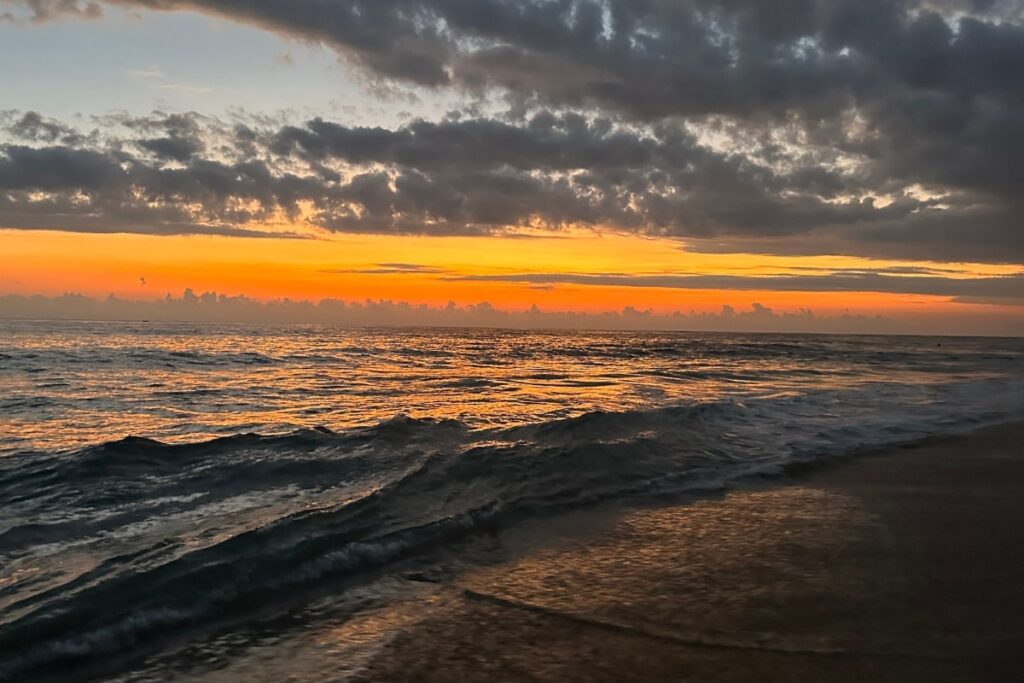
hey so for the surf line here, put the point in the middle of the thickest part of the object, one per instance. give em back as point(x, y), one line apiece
point(673, 637)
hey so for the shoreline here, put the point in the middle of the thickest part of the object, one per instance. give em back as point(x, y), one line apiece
point(900, 564)
point(903, 563)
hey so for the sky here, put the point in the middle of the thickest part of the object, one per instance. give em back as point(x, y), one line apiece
point(815, 165)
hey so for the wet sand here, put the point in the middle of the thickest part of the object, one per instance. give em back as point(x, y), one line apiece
point(904, 565)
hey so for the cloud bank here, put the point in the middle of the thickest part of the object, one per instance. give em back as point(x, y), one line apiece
point(882, 128)
point(213, 307)
point(1009, 288)
point(219, 308)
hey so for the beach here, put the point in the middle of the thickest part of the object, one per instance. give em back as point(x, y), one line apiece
point(511, 340)
point(906, 564)
point(557, 506)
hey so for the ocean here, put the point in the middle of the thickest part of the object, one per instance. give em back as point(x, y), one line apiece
point(169, 490)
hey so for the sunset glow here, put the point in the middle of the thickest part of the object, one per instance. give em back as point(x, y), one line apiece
point(427, 270)
point(197, 179)
point(506, 340)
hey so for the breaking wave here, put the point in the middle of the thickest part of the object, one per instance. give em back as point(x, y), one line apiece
point(168, 537)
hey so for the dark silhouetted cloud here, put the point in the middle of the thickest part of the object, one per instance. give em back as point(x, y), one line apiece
point(474, 176)
point(1008, 289)
point(213, 307)
point(883, 128)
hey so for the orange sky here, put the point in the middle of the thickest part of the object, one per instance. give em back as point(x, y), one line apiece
point(41, 262)
point(309, 129)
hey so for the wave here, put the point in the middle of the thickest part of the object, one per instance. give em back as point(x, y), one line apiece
point(926, 354)
point(379, 494)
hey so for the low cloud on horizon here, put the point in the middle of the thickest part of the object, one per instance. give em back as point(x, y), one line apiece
point(211, 307)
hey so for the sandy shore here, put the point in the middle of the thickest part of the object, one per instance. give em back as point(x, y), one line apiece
point(906, 565)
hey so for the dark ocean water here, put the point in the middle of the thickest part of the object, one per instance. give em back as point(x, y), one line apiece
point(161, 481)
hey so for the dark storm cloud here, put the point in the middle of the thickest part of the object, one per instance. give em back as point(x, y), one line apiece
point(473, 176)
point(58, 168)
point(171, 148)
point(568, 169)
point(872, 127)
point(32, 126)
point(181, 135)
point(970, 230)
point(108, 190)
point(652, 58)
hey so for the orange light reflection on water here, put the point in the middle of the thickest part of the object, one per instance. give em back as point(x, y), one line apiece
point(92, 382)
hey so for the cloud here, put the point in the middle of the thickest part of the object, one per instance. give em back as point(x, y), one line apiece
point(390, 269)
point(473, 176)
point(32, 126)
point(213, 307)
point(38, 11)
point(1008, 289)
point(648, 58)
point(886, 128)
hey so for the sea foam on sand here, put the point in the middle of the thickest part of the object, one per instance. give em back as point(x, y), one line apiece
point(905, 565)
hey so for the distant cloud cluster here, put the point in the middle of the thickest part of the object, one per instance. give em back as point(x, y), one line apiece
point(888, 128)
point(213, 307)
point(220, 308)
point(1008, 289)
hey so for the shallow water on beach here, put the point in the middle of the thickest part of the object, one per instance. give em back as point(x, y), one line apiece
point(159, 481)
